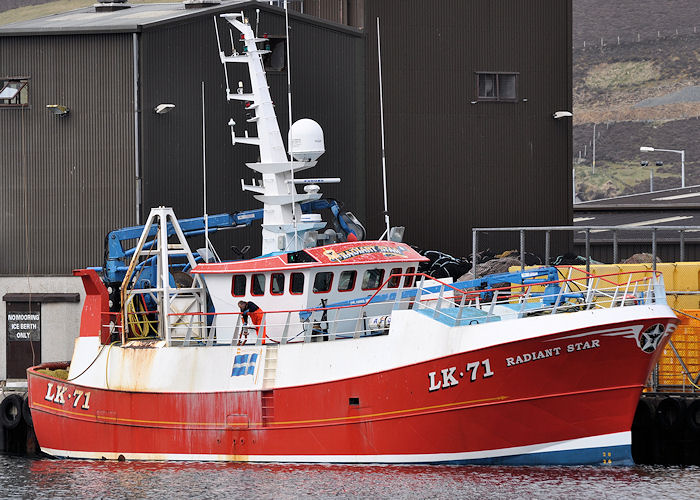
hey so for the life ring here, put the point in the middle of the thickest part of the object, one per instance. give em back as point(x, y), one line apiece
point(670, 413)
point(26, 411)
point(11, 411)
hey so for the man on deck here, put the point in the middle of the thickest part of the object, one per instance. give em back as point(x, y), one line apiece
point(256, 314)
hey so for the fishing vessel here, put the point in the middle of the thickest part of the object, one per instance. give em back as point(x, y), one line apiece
point(352, 356)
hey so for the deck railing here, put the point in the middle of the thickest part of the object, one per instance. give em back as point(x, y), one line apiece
point(448, 303)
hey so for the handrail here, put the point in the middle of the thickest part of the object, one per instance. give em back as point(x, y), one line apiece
point(443, 298)
point(656, 273)
point(468, 293)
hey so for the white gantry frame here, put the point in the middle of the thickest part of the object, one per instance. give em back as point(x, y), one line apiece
point(179, 308)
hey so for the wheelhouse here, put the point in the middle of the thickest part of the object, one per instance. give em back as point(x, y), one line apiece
point(312, 278)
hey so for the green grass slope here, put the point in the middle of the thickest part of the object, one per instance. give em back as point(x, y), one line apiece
point(658, 55)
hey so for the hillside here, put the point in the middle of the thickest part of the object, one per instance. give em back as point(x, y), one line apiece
point(610, 82)
point(642, 91)
point(596, 19)
point(12, 11)
point(13, 4)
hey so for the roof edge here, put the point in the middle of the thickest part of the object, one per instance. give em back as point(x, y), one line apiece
point(186, 14)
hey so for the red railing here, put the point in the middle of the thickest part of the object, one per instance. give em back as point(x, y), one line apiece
point(517, 292)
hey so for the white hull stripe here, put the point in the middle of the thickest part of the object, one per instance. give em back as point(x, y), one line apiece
point(602, 441)
point(607, 333)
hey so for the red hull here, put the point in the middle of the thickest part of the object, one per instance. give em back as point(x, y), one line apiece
point(588, 390)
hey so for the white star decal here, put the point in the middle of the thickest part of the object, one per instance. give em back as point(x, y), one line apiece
point(651, 337)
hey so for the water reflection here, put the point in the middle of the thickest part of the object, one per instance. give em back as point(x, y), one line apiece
point(22, 477)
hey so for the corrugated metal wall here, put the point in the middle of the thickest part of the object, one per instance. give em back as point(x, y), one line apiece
point(350, 12)
point(327, 87)
point(453, 165)
point(66, 181)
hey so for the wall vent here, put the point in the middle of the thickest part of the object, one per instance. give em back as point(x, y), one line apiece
point(111, 5)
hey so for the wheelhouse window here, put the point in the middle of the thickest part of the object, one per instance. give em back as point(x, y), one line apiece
point(372, 279)
point(257, 284)
point(408, 280)
point(322, 282)
point(277, 284)
point(14, 92)
point(238, 285)
point(346, 281)
point(394, 281)
point(497, 86)
point(299, 257)
point(296, 283)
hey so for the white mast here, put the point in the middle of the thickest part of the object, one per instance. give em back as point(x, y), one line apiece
point(207, 244)
point(381, 114)
point(277, 190)
point(289, 109)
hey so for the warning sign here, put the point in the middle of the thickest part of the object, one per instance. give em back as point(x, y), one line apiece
point(24, 325)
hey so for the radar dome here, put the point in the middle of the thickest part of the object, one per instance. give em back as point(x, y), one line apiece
point(306, 140)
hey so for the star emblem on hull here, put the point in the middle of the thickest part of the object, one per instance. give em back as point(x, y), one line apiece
point(650, 338)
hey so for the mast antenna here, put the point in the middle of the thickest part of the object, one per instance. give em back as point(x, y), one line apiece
point(207, 244)
point(381, 114)
point(291, 186)
point(257, 21)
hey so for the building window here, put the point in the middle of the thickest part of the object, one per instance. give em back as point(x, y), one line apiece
point(497, 86)
point(238, 285)
point(346, 282)
point(14, 92)
point(372, 279)
point(296, 283)
point(257, 284)
point(277, 284)
point(322, 282)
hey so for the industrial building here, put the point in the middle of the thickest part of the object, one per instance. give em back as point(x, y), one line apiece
point(478, 132)
point(112, 154)
point(677, 209)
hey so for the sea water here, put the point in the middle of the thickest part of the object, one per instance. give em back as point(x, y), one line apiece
point(22, 477)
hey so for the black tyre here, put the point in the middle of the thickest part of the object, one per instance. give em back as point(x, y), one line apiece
point(26, 411)
point(693, 416)
point(671, 414)
point(11, 411)
point(644, 416)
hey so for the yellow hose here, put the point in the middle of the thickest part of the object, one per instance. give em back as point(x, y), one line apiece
point(139, 322)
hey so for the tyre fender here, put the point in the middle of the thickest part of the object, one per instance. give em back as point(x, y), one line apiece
point(671, 414)
point(11, 411)
point(27, 411)
point(644, 415)
point(693, 415)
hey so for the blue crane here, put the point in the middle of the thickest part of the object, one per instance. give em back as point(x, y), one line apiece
point(117, 256)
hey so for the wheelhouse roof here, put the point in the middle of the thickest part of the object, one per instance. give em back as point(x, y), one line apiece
point(339, 254)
